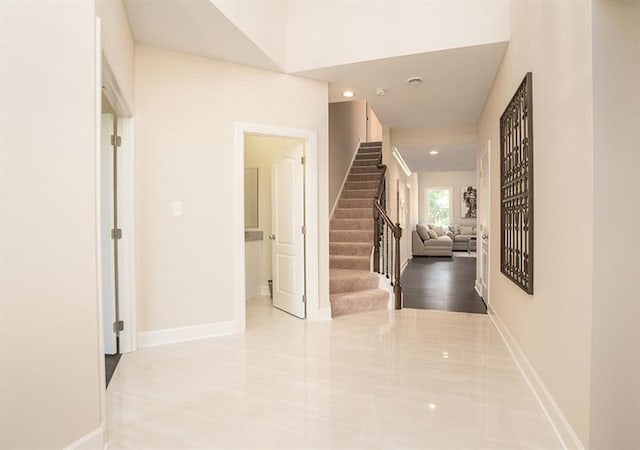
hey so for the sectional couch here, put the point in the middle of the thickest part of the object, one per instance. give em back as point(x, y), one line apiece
point(431, 240)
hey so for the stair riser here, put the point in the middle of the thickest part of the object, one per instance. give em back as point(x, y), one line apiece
point(366, 301)
point(364, 177)
point(355, 203)
point(360, 193)
point(367, 170)
point(351, 263)
point(365, 162)
point(368, 155)
point(361, 224)
point(353, 285)
point(350, 236)
point(371, 144)
point(350, 249)
point(374, 184)
point(354, 213)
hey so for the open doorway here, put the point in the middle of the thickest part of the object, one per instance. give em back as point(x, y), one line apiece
point(274, 224)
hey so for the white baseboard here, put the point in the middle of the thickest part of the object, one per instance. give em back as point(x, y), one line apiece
point(92, 441)
point(182, 334)
point(556, 417)
point(264, 289)
point(404, 266)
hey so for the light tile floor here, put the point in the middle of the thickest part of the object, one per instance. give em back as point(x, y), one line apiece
point(383, 379)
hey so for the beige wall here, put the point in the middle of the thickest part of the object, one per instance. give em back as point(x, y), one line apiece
point(374, 127)
point(615, 381)
point(117, 43)
point(260, 151)
point(186, 110)
point(454, 180)
point(50, 379)
point(552, 327)
point(347, 127)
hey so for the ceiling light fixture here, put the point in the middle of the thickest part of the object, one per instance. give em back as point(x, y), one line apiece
point(380, 92)
point(348, 94)
point(414, 81)
point(434, 152)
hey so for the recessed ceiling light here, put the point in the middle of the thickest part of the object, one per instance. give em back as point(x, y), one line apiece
point(380, 92)
point(434, 152)
point(348, 94)
point(414, 81)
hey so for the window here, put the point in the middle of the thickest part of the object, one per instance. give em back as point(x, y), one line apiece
point(439, 206)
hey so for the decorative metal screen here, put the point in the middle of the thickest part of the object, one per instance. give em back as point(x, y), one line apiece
point(516, 187)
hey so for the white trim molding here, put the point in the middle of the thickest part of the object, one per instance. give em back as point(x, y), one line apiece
point(323, 315)
point(565, 432)
point(183, 334)
point(91, 441)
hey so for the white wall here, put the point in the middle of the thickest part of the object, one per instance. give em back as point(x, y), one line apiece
point(347, 128)
point(553, 326)
point(264, 22)
point(186, 110)
point(615, 378)
point(374, 127)
point(50, 379)
point(117, 44)
point(322, 34)
point(260, 151)
point(454, 180)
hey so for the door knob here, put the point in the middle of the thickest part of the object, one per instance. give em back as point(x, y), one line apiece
point(272, 236)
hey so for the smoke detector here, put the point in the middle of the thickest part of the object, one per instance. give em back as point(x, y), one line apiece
point(414, 81)
point(380, 92)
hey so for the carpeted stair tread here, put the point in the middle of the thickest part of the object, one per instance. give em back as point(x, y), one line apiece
point(366, 169)
point(349, 262)
point(364, 177)
point(351, 236)
point(354, 213)
point(360, 301)
point(348, 280)
point(351, 248)
point(372, 184)
point(352, 224)
point(355, 203)
point(359, 193)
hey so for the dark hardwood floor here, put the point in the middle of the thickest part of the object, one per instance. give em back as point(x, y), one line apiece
point(445, 283)
point(110, 364)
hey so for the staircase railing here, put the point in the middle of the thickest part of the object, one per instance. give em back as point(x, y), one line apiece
point(386, 241)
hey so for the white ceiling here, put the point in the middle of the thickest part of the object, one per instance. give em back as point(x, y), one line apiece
point(450, 157)
point(456, 84)
point(196, 27)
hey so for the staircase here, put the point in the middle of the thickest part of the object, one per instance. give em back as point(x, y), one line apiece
point(353, 287)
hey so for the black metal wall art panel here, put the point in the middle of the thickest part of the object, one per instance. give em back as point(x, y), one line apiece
point(516, 187)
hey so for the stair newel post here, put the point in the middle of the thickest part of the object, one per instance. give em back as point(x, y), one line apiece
point(376, 239)
point(397, 288)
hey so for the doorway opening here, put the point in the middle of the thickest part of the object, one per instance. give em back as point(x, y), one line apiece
point(276, 221)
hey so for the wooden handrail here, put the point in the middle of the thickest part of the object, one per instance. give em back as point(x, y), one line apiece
point(382, 229)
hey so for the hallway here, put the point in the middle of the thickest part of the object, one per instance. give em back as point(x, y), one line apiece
point(410, 378)
point(444, 283)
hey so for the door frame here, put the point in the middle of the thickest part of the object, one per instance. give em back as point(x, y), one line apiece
point(485, 197)
point(310, 138)
point(107, 83)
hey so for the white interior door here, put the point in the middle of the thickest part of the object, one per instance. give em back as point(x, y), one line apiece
point(106, 215)
point(287, 231)
point(485, 210)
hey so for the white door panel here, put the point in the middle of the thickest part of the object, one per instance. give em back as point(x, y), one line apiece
point(288, 239)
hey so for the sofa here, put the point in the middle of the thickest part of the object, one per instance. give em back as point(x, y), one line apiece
point(431, 240)
point(461, 235)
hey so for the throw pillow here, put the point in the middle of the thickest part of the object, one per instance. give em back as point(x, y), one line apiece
point(466, 230)
point(433, 234)
point(439, 231)
point(455, 228)
point(423, 231)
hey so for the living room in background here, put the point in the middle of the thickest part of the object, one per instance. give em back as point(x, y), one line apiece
point(439, 205)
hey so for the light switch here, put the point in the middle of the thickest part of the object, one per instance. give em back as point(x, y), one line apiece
point(176, 208)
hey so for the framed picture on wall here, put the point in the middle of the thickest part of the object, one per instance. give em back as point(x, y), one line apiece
point(469, 202)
